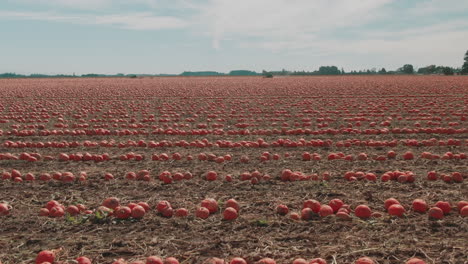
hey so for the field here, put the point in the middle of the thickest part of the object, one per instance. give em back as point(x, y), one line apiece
point(361, 140)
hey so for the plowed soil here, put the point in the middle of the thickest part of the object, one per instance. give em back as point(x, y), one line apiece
point(258, 232)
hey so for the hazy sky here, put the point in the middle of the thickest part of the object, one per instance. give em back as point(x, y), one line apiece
point(170, 36)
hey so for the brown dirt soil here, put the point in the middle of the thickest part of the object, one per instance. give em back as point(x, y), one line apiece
point(258, 232)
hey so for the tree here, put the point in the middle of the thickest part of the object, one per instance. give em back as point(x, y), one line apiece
point(242, 73)
point(431, 69)
point(383, 71)
point(329, 70)
point(447, 71)
point(407, 69)
point(465, 65)
point(201, 73)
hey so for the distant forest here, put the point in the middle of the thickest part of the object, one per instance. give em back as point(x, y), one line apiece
point(323, 70)
point(90, 75)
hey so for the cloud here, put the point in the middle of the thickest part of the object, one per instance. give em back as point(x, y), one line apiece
point(432, 7)
point(283, 21)
point(75, 4)
point(134, 21)
point(310, 27)
point(104, 5)
point(141, 21)
point(336, 29)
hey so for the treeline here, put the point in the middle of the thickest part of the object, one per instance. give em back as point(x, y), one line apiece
point(405, 69)
point(213, 73)
point(323, 70)
point(15, 75)
point(94, 75)
point(88, 75)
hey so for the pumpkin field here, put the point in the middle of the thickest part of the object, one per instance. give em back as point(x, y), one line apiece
point(239, 170)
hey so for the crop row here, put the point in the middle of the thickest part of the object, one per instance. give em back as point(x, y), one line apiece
point(239, 132)
point(259, 143)
point(254, 176)
point(311, 209)
point(222, 119)
point(265, 156)
point(50, 256)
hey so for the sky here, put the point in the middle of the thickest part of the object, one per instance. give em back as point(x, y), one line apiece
point(172, 36)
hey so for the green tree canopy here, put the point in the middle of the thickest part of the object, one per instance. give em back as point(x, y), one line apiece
point(431, 69)
point(242, 73)
point(464, 69)
point(407, 69)
point(448, 71)
point(329, 70)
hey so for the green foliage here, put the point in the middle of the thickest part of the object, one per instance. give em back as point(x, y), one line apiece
point(448, 71)
point(329, 70)
point(34, 75)
point(283, 72)
point(431, 69)
point(242, 73)
point(11, 75)
point(201, 73)
point(69, 218)
point(464, 69)
point(100, 217)
point(323, 70)
point(407, 69)
point(90, 75)
point(78, 220)
point(260, 222)
point(267, 74)
point(323, 184)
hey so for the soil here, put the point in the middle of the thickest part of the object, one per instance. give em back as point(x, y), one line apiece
point(258, 232)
